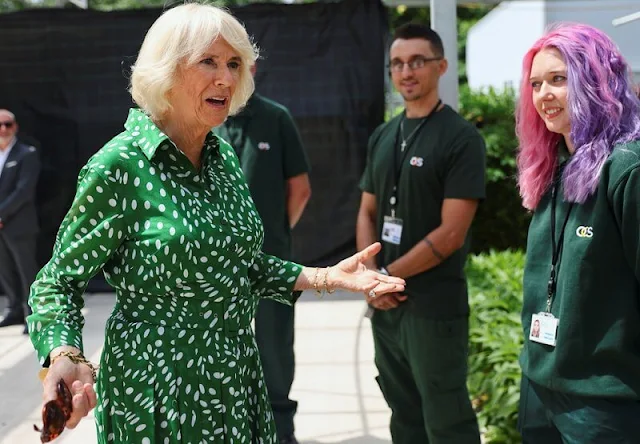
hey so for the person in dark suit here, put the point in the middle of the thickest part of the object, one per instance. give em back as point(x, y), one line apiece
point(19, 170)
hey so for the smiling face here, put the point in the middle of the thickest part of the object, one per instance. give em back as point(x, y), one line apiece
point(417, 83)
point(202, 92)
point(549, 91)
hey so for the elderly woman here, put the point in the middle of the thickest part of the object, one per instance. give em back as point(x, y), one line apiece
point(165, 211)
point(578, 121)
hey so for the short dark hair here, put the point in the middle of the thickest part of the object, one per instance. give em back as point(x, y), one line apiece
point(420, 31)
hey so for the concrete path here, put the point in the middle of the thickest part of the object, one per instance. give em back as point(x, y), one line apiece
point(339, 401)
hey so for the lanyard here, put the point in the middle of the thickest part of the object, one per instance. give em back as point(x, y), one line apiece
point(397, 168)
point(556, 249)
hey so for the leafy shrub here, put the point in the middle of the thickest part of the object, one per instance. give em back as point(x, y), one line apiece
point(501, 222)
point(495, 291)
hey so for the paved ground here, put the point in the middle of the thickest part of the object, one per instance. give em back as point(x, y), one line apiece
point(339, 401)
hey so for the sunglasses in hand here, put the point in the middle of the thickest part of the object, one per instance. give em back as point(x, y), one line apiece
point(55, 414)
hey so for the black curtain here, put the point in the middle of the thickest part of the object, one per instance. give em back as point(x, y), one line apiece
point(63, 72)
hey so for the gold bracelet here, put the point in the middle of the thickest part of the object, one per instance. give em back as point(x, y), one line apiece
point(326, 287)
point(76, 358)
point(315, 283)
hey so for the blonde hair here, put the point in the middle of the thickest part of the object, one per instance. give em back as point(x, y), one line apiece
point(182, 35)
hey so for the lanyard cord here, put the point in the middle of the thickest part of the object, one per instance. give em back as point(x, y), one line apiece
point(404, 149)
point(556, 249)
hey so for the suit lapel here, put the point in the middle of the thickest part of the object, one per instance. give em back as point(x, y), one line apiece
point(11, 162)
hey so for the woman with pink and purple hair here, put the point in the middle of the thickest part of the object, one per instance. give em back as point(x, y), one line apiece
point(578, 124)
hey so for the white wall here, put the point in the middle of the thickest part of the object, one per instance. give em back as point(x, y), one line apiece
point(497, 43)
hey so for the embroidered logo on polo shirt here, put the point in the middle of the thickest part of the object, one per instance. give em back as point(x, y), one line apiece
point(416, 161)
point(264, 146)
point(583, 231)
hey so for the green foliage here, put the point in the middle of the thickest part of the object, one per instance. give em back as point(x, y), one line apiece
point(108, 5)
point(17, 5)
point(11, 5)
point(501, 221)
point(495, 296)
point(493, 113)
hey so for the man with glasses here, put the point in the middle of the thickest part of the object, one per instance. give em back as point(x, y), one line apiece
point(424, 176)
point(19, 170)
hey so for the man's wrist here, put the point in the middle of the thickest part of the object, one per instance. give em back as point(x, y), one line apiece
point(383, 270)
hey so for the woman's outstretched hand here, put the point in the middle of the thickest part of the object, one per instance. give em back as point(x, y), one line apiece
point(352, 275)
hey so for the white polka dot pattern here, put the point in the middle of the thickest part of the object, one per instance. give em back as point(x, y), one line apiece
point(182, 249)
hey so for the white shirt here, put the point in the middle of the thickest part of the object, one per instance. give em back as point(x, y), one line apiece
point(5, 154)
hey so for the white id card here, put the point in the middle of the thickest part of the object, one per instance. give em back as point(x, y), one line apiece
point(392, 230)
point(544, 328)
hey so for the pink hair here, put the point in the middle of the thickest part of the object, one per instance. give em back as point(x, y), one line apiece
point(603, 110)
point(537, 157)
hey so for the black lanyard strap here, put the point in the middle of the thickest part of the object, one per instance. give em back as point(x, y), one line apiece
point(556, 249)
point(397, 168)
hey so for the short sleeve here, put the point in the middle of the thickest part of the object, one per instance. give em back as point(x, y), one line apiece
point(295, 158)
point(366, 181)
point(465, 173)
point(273, 278)
point(91, 231)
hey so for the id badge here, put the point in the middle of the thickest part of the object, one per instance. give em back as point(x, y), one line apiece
point(392, 230)
point(544, 328)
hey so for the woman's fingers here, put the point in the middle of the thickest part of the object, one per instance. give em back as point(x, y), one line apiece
point(81, 404)
point(91, 395)
point(379, 287)
point(384, 288)
point(384, 278)
point(368, 252)
point(395, 280)
point(390, 279)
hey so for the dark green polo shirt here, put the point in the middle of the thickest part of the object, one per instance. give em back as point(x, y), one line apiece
point(445, 159)
point(597, 298)
point(268, 144)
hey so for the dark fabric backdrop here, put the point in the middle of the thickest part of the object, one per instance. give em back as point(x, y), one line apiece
point(64, 74)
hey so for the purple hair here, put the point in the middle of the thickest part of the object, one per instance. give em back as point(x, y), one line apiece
point(603, 110)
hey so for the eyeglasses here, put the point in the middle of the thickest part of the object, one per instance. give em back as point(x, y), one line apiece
point(9, 124)
point(55, 414)
point(414, 63)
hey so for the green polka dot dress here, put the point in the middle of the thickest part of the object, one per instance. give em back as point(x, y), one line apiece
point(182, 249)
